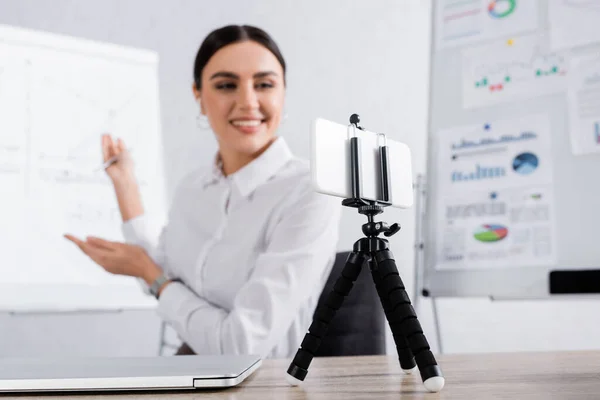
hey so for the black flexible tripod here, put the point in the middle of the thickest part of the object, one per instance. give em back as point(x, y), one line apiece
point(411, 344)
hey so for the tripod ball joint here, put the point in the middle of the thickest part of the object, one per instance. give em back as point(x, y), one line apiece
point(354, 120)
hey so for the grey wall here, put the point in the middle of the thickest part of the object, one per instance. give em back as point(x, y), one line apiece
point(369, 57)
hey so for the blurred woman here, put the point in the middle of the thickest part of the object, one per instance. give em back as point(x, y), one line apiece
point(248, 246)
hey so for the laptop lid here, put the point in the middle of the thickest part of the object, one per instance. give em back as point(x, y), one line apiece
point(124, 373)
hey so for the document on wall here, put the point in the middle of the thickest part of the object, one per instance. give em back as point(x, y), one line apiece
point(58, 95)
point(573, 23)
point(495, 201)
point(504, 71)
point(584, 103)
point(460, 22)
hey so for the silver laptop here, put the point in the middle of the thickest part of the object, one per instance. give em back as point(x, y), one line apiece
point(124, 373)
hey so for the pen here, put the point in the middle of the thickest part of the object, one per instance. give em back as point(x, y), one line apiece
point(111, 161)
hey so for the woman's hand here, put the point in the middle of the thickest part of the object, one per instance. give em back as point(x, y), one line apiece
point(119, 258)
point(122, 175)
point(121, 169)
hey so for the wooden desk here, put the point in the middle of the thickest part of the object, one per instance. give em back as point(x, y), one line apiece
point(567, 375)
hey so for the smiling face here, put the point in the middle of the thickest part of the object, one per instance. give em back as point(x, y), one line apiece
point(242, 95)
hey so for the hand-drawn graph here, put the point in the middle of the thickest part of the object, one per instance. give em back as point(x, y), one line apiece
point(58, 95)
point(500, 72)
point(68, 137)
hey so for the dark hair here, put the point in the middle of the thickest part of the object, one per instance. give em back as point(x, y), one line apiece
point(226, 35)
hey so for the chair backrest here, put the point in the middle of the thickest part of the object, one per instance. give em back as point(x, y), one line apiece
point(358, 327)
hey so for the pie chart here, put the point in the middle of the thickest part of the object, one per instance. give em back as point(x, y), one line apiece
point(501, 8)
point(490, 233)
point(525, 163)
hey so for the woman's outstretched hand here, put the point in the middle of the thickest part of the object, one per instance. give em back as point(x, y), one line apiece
point(119, 258)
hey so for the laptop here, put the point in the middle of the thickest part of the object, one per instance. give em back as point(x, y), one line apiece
point(124, 373)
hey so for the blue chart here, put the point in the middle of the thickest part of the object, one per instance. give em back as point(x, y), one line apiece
point(525, 163)
point(494, 194)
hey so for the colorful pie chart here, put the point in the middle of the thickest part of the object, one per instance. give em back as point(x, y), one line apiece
point(501, 8)
point(490, 233)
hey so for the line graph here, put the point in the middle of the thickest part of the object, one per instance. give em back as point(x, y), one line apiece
point(66, 123)
point(111, 110)
point(87, 116)
point(496, 76)
point(499, 72)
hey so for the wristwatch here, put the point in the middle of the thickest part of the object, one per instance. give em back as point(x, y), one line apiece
point(157, 284)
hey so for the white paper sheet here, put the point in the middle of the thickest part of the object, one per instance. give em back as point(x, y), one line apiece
point(58, 95)
point(460, 22)
point(495, 202)
point(573, 23)
point(501, 72)
point(584, 103)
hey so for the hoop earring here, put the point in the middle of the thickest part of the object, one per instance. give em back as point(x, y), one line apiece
point(202, 122)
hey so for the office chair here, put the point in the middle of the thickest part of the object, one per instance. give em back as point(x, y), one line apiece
point(358, 327)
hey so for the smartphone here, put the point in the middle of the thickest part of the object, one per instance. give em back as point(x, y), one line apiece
point(330, 163)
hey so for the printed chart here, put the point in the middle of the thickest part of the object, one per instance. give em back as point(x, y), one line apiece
point(462, 22)
point(503, 71)
point(495, 203)
point(583, 97)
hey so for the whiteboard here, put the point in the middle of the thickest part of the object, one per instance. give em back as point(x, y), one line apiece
point(58, 95)
point(513, 157)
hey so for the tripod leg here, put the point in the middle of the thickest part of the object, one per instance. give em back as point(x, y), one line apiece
point(312, 340)
point(404, 319)
point(405, 355)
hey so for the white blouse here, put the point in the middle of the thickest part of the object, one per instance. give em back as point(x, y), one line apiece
point(253, 251)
